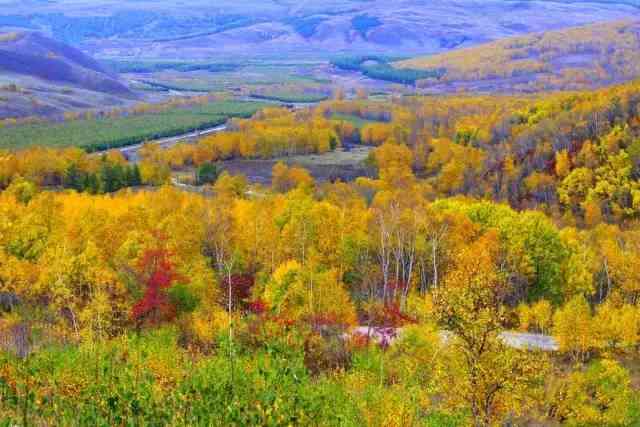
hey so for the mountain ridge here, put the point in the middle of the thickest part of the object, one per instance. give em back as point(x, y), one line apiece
point(196, 29)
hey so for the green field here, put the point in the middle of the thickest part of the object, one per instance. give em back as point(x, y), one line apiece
point(102, 133)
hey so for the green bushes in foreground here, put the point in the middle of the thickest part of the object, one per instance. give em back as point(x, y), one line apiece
point(151, 380)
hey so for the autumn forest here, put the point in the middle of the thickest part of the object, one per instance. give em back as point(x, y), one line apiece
point(372, 258)
point(385, 299)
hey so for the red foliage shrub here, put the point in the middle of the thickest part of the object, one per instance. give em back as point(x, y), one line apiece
point(158, 273)
point(394, 287)
point(388, 315)
point(284, 322)
point(394, 317)
point(241, 286)
point(258, 307)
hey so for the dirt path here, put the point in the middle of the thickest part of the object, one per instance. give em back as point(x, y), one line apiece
point(512, 339)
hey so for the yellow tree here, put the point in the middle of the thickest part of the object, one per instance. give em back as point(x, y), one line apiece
point(563, 164)
point(256, 232)
point(306, 294)
point(285, 178)
point(600, 395)
point(482, 374)
point(394, 165)
point(617, 328)
point(574, 328)
point(536, 317)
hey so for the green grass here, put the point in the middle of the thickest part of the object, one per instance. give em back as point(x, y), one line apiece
point(267, 387)
point(102, 133)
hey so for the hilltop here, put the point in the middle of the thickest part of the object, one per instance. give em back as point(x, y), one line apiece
point(570, 59)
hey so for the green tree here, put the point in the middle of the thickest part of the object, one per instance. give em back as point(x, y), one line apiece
point(207, 173)
point(74, 178)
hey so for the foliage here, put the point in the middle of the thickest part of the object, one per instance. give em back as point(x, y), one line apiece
point(121, 67)
point(96, 134)
point(285, 178)
point(272, 132)
point(574, 328)
point(307, 26)
point(383, 301)
point(599, 395)
point(70, 169)
point(150, 380)
point(158, 275)
point(570, 59)
point(364, 23)
point(506, 147)
point(296, 293)
point(489, 380)
point(537, 317)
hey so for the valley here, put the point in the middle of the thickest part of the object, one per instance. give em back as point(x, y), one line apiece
point(147, 51)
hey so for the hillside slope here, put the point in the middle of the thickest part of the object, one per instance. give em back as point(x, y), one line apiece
point(41, 76)
point(34, 55)
point(575, 58)
point(199, 29)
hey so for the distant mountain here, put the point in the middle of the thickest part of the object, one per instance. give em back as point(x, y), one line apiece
point(575, 58)
point(204, 29)
point(31, 54)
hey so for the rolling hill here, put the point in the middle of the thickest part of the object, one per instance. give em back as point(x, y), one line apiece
point(34, 55)
point(199, 29)
point(575, 58)
point(42, 76)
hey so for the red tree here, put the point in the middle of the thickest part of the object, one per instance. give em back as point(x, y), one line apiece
point(241, 286)
point(158, 274)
